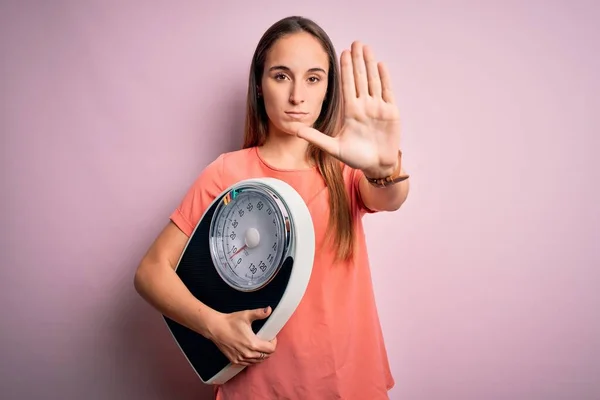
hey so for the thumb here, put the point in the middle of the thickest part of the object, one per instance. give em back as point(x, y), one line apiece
point(319, 139)
point(259, 313)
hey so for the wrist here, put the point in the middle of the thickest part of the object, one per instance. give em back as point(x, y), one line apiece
point(378, 173)
point(208, 321)
point(385, 177)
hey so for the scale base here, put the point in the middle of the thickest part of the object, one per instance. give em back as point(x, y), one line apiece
point(282, 294)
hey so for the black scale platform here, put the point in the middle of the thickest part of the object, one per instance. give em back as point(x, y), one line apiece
point(199, 275)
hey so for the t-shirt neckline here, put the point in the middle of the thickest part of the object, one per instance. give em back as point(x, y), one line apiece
point(272, 167)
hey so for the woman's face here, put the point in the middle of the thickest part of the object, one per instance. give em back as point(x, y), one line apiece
point(294, 82)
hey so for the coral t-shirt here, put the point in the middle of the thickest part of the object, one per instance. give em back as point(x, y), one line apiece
point(332, 347)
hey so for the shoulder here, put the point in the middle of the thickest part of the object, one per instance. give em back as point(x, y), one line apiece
point(236, 157)
point(208, 184)
point(217, 169)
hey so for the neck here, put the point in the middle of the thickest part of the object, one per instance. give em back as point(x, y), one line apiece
point(285, 151)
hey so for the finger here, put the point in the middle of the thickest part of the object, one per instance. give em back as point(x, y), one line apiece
point(347, 73)
point(321, 140)
point(373, 78)
point(261, 356)
point(243, 362)
point(237, 358)
point(254, 357)
point(327, 143)
point(259, 313)
point(360, 70)
point(386, 83)
point(264, 346)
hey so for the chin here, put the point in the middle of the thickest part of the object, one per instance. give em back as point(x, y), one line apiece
point(290, 127)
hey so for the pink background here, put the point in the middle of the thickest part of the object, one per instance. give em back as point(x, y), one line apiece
point(487, 279)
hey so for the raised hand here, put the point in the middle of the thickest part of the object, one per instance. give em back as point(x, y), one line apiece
point(370, 136)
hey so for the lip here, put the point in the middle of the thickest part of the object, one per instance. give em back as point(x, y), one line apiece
point(296, 113)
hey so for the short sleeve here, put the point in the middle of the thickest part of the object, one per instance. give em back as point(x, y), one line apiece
point(199, 196)
point(359, 206)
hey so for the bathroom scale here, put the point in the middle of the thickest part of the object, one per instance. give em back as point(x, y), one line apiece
point(253, 247)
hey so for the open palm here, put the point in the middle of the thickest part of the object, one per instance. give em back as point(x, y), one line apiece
point(370, 135)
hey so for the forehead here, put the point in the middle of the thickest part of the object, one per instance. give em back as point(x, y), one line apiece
point(299, 52)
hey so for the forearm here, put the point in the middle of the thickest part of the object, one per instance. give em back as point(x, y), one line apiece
point(160, 286)
point(389, 198)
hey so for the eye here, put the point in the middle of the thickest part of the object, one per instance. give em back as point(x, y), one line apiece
point(314, 79)
point(279, 77)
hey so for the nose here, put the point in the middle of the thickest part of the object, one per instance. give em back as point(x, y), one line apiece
point(297, 93)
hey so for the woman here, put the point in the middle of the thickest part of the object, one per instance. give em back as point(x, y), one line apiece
point(324, 135)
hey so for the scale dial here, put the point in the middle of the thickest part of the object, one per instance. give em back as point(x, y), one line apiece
point(250, 236)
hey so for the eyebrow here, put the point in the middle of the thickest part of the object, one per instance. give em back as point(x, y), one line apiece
point(283, 67)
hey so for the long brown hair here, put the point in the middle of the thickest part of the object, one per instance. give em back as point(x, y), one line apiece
point(328, 122)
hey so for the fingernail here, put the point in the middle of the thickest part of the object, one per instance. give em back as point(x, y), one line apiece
point(266, 310)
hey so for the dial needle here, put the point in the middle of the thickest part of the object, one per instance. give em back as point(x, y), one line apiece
point(234, 254)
